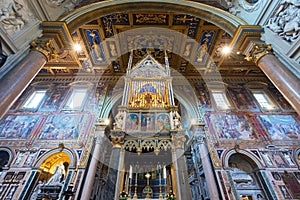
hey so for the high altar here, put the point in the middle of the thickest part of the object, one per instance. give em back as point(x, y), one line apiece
point(147, 134)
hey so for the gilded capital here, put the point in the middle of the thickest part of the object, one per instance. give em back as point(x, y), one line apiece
point(46, 47)
point(258, 51)
point(117, 138)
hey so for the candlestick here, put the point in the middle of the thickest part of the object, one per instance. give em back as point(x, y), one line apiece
point(135, 187)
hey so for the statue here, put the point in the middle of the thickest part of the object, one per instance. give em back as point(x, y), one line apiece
point(285, 22)
point(11, 18)
point(119, 120)
point(58, 175)
point(96, 46)
point(176, 120)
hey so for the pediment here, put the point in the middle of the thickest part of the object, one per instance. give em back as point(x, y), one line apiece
point(148, 68)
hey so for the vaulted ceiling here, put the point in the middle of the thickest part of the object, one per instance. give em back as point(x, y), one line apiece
point(194, 46)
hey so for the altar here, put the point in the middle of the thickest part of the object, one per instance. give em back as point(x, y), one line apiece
point(147, 129)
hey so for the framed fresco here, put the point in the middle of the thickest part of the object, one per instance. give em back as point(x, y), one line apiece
point(148, 122)
point(132, 122)
point(280, 127)
point(231, 126)
point(203, 96)
point(242, 99)
point(274, 159)
point(18, 126)
point(65, 126)
point(280, 100)
point(163, 122)
point(54, 98)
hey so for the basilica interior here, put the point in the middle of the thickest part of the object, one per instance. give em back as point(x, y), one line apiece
point(149, 99)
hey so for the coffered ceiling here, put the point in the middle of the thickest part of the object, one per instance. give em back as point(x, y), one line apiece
point(194, 46)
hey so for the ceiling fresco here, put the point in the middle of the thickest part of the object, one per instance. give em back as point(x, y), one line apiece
point(108, 41)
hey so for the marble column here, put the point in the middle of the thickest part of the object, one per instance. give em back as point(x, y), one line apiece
point(207, 167)
point(91, 169)
point(183, 191)
point(116, 163)
point(56, 39)
point(282, 78)
point(247, 40)
point(17, 79)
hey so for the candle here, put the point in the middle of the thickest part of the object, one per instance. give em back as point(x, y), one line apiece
point(165, 172)
point(130, 172)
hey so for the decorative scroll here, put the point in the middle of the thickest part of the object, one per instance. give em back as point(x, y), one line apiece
point(150, 19)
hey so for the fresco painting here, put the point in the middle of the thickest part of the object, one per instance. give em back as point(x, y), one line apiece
point(242, 99)
point(231, 126)
point(148, 122)
point(18, 127)
point(63, 127)
point(54, 99)
point(132, 122)
point(280, 127)
point(163, 122)
point(281, 101)
point(203, 96)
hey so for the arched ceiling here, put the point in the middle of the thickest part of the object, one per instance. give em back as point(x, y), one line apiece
point(104, 32)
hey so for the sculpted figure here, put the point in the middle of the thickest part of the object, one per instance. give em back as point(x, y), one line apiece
point(11, 17)
point(58, 176)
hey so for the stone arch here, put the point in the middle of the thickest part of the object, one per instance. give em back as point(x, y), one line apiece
point(68, 152)
point(6, 157)
point(244, 169)
point(110, 104)
point(220, 18)
point(247, 154)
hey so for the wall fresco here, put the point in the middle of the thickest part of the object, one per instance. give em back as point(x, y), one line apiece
point(64, 126)
point(18, 126)
point(242, 99)
point(231, 126)
point(280, 127)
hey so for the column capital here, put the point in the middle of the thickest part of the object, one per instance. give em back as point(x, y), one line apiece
point(178, 140)
point(117, 138)
point(55, 43)
point(46, 46)
point(257, 51)
point(247, 40)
